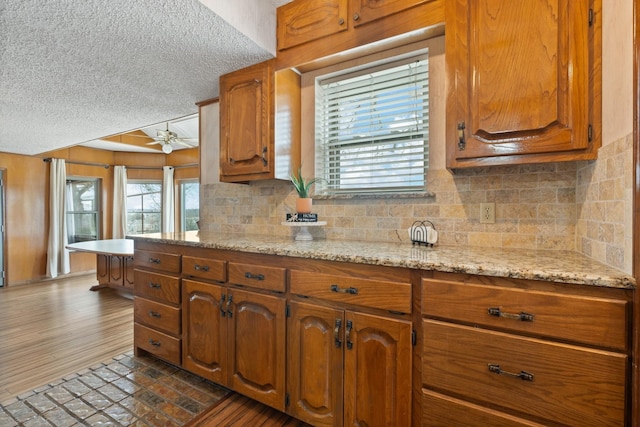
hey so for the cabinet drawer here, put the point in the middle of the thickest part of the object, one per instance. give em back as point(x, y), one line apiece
point(596, 321)
point(157, 316)
point(258, 276)
point(162, 345)
point(159, 287)
point(204, 268)
point(439, 410)
point(160, 261)
point(393, 296)
point(571, 385)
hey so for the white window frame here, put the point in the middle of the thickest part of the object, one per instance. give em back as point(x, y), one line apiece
point(130, 214)
point(377, 150)
point(71, 214)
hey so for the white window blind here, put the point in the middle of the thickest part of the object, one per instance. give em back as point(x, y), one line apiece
point(372, 129)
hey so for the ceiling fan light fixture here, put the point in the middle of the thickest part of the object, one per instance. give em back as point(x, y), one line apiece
point(167, 148)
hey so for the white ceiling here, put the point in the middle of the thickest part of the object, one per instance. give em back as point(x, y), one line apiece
point(75, 71)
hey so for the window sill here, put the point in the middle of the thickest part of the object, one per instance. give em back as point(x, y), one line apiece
point(360, 196)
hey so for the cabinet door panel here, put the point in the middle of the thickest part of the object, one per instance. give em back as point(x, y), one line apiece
point(245, 121)
point(365, 11)
point(377, 384)
point(102, 268)
point(314, 363)
point(301, 22)
point(521, 77)
point(256, 349)
point(204, 339)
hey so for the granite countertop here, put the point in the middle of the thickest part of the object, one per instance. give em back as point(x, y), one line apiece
point(554, 266)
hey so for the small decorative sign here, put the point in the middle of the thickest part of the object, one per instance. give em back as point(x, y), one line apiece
point(302, 217)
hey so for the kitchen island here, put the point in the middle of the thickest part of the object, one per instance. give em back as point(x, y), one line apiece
point(344, 333)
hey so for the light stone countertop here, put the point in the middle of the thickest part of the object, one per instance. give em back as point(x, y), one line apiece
point(554, 266)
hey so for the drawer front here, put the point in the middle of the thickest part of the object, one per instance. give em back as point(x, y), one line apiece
point(385, 295)
point(439, 410)
point(572, 385)
point(158, 287)
point(204, 268)
point(258, 276)
point(157, 316)
point(162, 345)
point(161, 261)
point(590, 320)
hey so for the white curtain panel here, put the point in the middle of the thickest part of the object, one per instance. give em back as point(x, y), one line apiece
point(57, 254)
point(119, 202)
point(168, 204)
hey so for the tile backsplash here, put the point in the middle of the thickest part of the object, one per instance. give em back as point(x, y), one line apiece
point(575, 206)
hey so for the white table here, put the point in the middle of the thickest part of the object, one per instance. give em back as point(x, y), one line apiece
point(114, 261)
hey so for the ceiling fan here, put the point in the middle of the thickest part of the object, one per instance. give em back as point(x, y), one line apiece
point(166, 138)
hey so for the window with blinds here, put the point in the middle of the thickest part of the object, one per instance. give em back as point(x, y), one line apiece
point(372, 129)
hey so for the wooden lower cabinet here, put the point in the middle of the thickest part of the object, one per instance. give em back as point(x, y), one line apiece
point(114, 271)
point(348, 368)
point(236, 338)
point(521, 353)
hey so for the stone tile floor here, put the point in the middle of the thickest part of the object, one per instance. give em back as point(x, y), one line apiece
point(125, 391)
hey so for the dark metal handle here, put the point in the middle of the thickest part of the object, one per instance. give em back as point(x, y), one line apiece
point(154, 260)
point(336, 333)
point(264, 156)
point(249, 275)
point(155, 343)
point(229, 312)
point(223, 312)
point(155, 285)
point(341, 21)
point(231, 160)
point(348, 335)
point(461, 140)
point(155, 314)
point(356, 16)
point(352, 291)
point(523, 375)
point(201, 267)
point(522, 316)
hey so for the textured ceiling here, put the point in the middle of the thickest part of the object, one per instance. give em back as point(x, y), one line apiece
point(73, 71)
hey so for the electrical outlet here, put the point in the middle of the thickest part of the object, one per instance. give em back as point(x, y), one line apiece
point(487, 213)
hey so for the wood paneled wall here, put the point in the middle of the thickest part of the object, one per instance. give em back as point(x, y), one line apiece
point(27, 200)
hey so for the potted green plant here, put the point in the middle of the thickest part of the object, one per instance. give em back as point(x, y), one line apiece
point(302, 186)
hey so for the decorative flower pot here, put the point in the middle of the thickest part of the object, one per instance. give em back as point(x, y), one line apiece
point(303, 205)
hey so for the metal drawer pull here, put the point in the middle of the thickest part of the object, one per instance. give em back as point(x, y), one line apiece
point(154, 285)
point(352, 291)
point(525, 376)
point(223, 312)
point(336, 333)
point(155, 343)
point(201, 267)
point(525, 317)
point(254, 276)
point(155, 314)
point(348, 335)
point(154, 260)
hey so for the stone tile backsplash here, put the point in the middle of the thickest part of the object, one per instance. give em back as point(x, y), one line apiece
point(576, 206)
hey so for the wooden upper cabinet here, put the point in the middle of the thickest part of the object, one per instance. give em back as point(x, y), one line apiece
point(303, 21)
point(245, 122)
point(524, 80)
point(317, 33)
point(259, 123)
point(365, 11)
